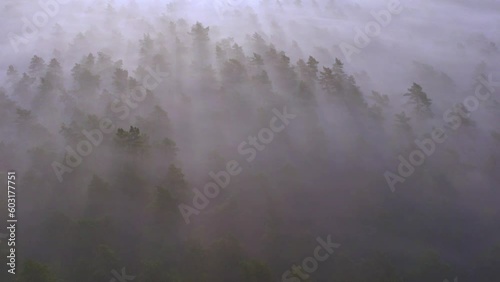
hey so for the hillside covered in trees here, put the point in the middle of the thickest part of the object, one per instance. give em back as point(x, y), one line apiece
point(251, 141)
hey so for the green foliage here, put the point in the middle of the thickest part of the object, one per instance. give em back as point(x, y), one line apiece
point(123, 202)
point(132, 140)
point(33, 271)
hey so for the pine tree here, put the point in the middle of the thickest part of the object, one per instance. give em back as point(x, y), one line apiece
point(12, 75)
point(419, 99)
point(201, 39)
point(55, 75)
point(84, 79)
point(312, 63)
point(233, 72)
point(37, 66)
point(132, 141)
point(327, 81)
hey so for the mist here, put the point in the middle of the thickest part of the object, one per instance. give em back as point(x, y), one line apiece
point(232, 140)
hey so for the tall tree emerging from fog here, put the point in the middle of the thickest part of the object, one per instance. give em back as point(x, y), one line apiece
point(201, 39)
point(37, 66)
point(12, 75)
point(132, 141)
point(419, 99)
